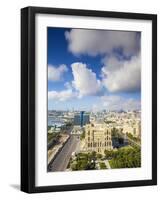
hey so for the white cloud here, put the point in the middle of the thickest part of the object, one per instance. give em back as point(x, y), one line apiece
point(85, 81)
point(68, 85)
point(118, 76)
point(94, 42)
point(63, 95)
point(117, 103)
point(122, 75)
point(56, 73)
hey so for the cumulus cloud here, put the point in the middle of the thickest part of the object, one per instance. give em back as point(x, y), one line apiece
point(56, 73)
point(84, 83)
point(94, 42)
point(85, 80)
point(115, 102)
point(121, 71)
point(68, 85)
point(63, 95)
point(122, 75)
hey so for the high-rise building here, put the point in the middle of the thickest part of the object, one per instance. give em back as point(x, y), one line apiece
point(76, 120)
point(81, 119)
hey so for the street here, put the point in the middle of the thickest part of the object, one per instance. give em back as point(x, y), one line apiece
point(61, 161)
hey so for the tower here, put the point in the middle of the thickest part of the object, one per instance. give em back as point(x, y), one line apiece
point(81, 118)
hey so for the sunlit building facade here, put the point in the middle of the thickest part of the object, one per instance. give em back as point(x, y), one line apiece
point(97, 138)
point(134, 129)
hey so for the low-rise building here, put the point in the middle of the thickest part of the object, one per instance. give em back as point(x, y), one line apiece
point(134, 129)
point(97, 138)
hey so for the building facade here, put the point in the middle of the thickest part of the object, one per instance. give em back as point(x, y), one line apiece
point(134, 129)
point(97, 138)
point(81, 119)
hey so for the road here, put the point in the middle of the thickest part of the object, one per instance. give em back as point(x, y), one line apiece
point(132, 141)
point(61, 161)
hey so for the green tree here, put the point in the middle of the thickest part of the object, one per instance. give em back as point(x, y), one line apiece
point(109, 154)
point(126, 158)
point(99, 156)
point(82, 135)
point(84, 161)
point(102, 165)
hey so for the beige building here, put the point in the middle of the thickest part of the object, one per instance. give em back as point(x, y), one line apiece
point(134, 129)
point(97, 138)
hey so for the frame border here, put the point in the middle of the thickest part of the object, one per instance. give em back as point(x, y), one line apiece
point(28, 98)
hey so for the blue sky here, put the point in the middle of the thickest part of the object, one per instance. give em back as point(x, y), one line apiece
point(87, 68)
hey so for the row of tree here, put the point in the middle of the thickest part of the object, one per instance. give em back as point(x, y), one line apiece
point(126, 157)
point(84, 161)
point(136, 139)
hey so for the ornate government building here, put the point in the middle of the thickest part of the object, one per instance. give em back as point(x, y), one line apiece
point(97, 138)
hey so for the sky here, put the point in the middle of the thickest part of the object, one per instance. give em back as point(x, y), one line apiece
point(93, 70)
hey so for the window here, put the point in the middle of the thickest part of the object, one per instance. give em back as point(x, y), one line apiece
point(134, 131)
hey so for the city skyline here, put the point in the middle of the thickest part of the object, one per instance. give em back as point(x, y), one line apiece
point(89, 68)
point(89, 141)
